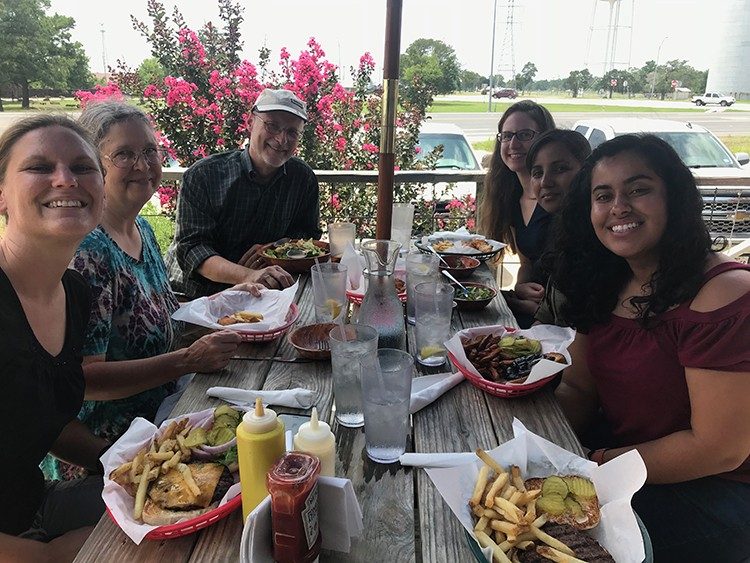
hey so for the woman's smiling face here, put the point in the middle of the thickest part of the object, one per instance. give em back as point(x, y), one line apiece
point(513, 152)
point(628, 207)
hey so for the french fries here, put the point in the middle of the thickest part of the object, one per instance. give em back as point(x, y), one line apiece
point(506, 511)
point(167, 451)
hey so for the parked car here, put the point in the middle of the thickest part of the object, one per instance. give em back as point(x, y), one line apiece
point(457, 155)
point(726, 207)
point(505, 93)
point(713, 98)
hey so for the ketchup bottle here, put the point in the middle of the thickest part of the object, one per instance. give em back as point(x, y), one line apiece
point(293, 485)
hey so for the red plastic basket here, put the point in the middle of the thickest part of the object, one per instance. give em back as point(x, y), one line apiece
point(194, 524)
point(291, 318)
point(507, 390)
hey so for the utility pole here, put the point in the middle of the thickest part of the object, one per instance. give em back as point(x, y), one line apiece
point(656, 66)
point(104, 53)
point(492, 59)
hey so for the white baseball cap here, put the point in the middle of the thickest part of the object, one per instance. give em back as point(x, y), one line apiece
point(280, 100)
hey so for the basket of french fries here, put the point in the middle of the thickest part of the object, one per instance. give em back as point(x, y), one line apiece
point(177, 479)
point(530, 500)
point(507, 362)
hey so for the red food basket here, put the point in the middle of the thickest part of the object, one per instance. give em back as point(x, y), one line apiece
point(252, 336)
point(506, 390)
point(192, 525)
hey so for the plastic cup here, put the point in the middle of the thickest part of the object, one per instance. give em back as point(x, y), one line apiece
point(402, 220)
point(351, 345)
point(386, 390)
point(339, 235)
point(434, 308)
point(419, 268)
point(329, 291)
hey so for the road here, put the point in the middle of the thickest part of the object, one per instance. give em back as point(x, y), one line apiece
point(481, 126)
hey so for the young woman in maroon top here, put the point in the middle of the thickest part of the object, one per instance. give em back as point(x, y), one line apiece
point(662, 349)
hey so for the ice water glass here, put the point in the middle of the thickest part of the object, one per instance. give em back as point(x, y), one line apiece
point(434, 308)
point(402, 221)
point(419, 268)
point(386, 390)
point(329, 291)
point(339, 235)
point(350, 346)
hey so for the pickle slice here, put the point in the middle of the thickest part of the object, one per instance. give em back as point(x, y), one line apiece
point(581, 487)
point(196, 437)
point(551, 504)
point(554, 485)
point(573, 506)
point(226, 421)
point(227, 410)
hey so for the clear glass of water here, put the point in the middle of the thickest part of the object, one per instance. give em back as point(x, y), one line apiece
point(419, 268)
point(386, 390)
point(339, 235)
point(351, 345)
point(329, 291)
point(434, 308)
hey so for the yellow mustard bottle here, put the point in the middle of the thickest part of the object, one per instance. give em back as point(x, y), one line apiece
point(260, 442)
point(315, 438)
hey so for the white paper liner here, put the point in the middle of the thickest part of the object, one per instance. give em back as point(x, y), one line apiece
point(139, 436)
point(553, 339)
point(272, 304)
point(458, 237)
point(616, 481)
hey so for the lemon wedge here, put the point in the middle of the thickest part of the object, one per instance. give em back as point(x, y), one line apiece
point(334, 307)
point(428, 351)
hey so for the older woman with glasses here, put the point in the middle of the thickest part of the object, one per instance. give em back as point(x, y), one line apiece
point(509, 211)
point(129, 364)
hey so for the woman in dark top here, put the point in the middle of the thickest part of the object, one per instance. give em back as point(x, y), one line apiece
point(51, 195)
point(509, 211)
point(662, 346)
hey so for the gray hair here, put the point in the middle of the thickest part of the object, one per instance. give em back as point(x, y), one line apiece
point(99, 118)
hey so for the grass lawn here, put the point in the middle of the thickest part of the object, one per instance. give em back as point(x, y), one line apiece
point(163, 226)
point(54, 104)
point(449, 106)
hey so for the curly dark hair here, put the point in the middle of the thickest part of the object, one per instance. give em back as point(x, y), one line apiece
point(591, 277)
point(502, 189)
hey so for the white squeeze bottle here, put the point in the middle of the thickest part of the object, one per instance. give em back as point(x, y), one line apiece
point(315, 438)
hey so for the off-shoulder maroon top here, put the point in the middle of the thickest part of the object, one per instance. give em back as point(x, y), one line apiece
point(640, 373)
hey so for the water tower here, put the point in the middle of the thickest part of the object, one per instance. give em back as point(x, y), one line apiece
point(614, 52)
point(727, 72)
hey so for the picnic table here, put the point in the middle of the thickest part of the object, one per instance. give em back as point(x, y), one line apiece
point(405, 518)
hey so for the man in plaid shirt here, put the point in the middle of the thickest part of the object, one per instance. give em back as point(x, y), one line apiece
point(232, 203)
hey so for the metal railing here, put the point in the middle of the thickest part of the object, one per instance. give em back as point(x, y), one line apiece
point(726, 200)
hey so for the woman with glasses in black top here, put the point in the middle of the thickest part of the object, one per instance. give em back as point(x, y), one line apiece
point(509, 211)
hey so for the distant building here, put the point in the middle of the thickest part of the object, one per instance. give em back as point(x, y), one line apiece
point(728, 70)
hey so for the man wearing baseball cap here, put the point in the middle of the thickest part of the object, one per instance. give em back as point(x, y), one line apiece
point(234, 202)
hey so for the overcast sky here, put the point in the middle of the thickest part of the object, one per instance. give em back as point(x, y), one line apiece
point(553, 34)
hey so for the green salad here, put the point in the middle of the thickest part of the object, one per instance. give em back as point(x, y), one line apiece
point(296, 248)
point(473, 293)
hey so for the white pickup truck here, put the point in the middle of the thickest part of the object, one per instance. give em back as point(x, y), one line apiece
point(713, 98)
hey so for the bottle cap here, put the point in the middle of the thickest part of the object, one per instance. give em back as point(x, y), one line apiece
point(260, 419)
point(315, 431)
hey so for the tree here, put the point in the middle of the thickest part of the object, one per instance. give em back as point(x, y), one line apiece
point(36, 49)
point(434, 62)
point(526, 76)
point(471, 80)
point(578, 80)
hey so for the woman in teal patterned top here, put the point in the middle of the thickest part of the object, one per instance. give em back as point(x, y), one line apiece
point(128, 363)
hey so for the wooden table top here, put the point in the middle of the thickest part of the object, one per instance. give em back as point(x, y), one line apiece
point(405, 518)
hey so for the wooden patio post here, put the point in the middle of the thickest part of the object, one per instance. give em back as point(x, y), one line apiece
point(387, 158)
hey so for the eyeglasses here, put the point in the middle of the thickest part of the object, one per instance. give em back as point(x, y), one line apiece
point(128, 158)
point(291, 133)
point(523, 135)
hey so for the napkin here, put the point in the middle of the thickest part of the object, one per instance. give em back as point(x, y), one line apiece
point(339, 517)
point(426, 389)
point(459, 234)
point(354, 263)
point(437, 460)
point(272, 304)
point(616, 481)
point(297, 398)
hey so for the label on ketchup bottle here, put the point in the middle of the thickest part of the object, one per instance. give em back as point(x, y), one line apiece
point(293, 486)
